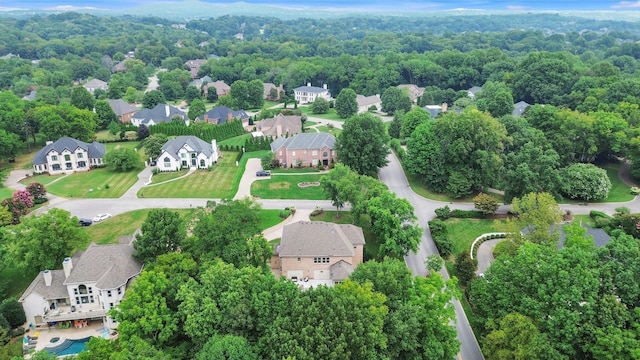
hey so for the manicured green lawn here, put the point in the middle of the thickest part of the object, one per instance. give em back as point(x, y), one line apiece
point(294, 170)
point(6, 192)
point(97, 183)
point(286, 187)
point(236, 141)
point(333, 131)
point(619, 192)
point(269, 218)
point(330, 115)
point(44, 179)
point(135, 145)
point(371, 241)
point(269, 104)
point(419, 188)
point(464, 231)
point(167, 175)
point(17, 279)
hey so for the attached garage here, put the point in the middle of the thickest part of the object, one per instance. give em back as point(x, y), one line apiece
point(298, 274)
point(322, 274)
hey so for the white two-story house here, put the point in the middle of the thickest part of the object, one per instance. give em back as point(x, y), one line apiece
point(308, 94)
point(187, 151)
point(68, 155)
point(88, 286)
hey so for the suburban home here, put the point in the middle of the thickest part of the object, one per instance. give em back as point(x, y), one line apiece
point(599, 236)
point(473, 91)
point(94, 84)
point(119, 67)
point(272, 92)
point(32, 95)
point(317, 250)
point(519, 108)
point(222, 89)
point(280, 125)
point(434, 110)
point(412, 90)
point(365, 102)
point(306, 149)
point(159, 114)
point(88, 286)
point(308, 94)
point(194, 66)
point(68, 155)
point(187, 152)
point(199, 83)
point(124, 111)
point(221, 115)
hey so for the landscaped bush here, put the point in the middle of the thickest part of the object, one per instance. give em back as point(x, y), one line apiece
point(595, 214)
point(443, 212)
point(602, 222)
point(317, 211)
point(466, 214)
point(635, 190)
point(440, 237)
point(284, 213)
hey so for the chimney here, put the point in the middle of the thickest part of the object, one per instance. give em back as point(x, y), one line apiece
point(309, 84)
point(49, 142)
point(67, 265)
point(214, 145)
point(47, 277)
point(279, 130)
point(166, 110)
point(444, 106)
point(324, 86)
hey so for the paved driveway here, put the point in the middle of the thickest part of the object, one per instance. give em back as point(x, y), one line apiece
point(248, 177)
point(485, 255)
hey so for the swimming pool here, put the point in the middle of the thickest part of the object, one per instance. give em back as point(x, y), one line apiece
point(69, 347)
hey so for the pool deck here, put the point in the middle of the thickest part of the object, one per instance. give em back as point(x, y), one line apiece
point(95, 328)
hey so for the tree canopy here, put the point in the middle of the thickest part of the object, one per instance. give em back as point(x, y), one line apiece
point(362, 144)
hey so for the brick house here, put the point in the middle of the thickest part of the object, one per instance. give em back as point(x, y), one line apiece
point(307, 149)
point(124, 111)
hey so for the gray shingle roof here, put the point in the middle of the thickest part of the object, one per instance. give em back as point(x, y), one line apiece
point(311, 89)
point(121, 107)
point(110, 266)
point(519, 108)
point(201, 146)
point(222, 114)
point(367, 100)
point(57, 290)
point(95, 84)
point(318, 238)
point(199, 82)
point(291, 124)
point(341, 270)
point(95, 150)
point(599, 236)
point(305, 141)
point(160, 113)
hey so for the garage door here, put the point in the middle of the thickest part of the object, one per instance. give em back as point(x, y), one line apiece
point(295, 274)
point(322, 275)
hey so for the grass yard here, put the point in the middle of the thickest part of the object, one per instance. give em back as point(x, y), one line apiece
point(97, 183)
point(294, 170)
point(464, 231)
point(269, 104)
point(333, 131)
point(269, 218)
point(371, 241)
point(167, 175)
point(44, 179)
point(17, 279)
point(236, 141)
point(286, 187)
point(5, 193)
point(330, 115)
point(619, 192)
point(419, 188)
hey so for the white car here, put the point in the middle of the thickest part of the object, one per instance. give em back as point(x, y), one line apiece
point(101, 217)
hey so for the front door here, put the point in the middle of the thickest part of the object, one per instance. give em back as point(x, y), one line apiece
point(193, 162)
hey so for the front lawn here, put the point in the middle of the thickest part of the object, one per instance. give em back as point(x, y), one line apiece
point(620, 192)
point(96, 183)
point(286, 187)
point(331, 130)
point(464, 231)
point(167, 175)
point(371, 244)
point(329, 115)
point(269, 218)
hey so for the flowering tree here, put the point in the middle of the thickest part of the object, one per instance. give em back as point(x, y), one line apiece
point(19, 204)
point(38, 191)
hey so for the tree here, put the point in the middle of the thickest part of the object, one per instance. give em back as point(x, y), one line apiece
point(37, 191)
point(162, 232)
point(82, 98)
point(255, 94)
point(227, 347)
point(43, 241)
point(465, 268)
point(390, 277)
point(394, 99)
point(212, 94)
point(516, 336)
point(434, 263)
point(339, 185)
point(486, 203)
point(396, 125)
point(413, 119)
point(114, 128)
point(152, 98)
point(196, 109)
point(538, 213)
point(142, 132)
point(495, 98)
point(191, 93)
point(124, 159)
point(531, 168)
point(586, 182)
point(9, 145)
point(319, 106)
point(105, 114)
point(153, 145)
point(346, 104)
point(362, 144)
point(13, 312)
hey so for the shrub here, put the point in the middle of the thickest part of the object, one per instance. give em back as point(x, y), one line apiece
point(486, 203)
point(466, 214)
point(444, 245)
point(106, 186)
point(284, 214)
point(623, 210)
point(635, 190)
point(595, 214)
point(602, 222)
point(317, 211)
point(586, 182)
point(443, 212)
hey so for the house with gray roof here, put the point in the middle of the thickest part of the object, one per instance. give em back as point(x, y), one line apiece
point(365, 102)
point(413, 90)
point(280, 125)
point(473, 91)
point(187, 151)
point(159, 114)
point(31, 96)
point(123, 110)
point(88, 286)
point(94, 84)
point(435, 110)
point(519, 108)
point(68, 155)
point(599, 236)
point(272, 92)
point(199, 83)
point(308, 94)
point(221, 115)
point(222, 89)
point(306, 149)
point(194, 66)
point(319, 250)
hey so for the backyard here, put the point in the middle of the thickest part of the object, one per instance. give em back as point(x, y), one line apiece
point(289, 187)
point(236, 141)
point(371, 242)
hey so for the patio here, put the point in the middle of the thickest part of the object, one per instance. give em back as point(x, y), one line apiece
point(45, 334)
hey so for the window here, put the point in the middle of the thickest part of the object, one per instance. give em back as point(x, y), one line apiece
point(110, 305)
point(67, 157)
point(75, 291)
point(280, 153)
point(325, 154)
point(90, 290)
point(54, 158)
point(193, 155)
point(183, 155)
point(119, 291)
point(79, 155)
point(314, 152)
point(320, 260)
point(68, 165)
point(91, 299)
point(202, 164)
point(82, 164)
point(82, 289)
point(77, 300)
point(109, 293)
point(167, 162)
point(293, 153)
point(298, 259)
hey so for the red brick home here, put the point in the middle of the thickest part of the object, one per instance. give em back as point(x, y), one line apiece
point(307, 149)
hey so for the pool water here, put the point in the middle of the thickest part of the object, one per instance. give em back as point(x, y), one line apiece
point(69, 347)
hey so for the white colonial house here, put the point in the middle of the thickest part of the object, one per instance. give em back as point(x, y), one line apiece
point(187, 152)
point(308, 94)
point(89, 285)
point(67, 155)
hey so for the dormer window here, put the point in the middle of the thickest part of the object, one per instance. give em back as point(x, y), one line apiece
point(54, 158)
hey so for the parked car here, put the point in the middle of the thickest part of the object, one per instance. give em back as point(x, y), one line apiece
point(263, 173)
point(101, 217)
point(85, 222)
point(153, 163)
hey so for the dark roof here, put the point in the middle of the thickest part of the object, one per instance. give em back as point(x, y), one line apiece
point(311, 89)
point(519, 108)
point(160, 113)
point(200, 146)
point(303, 141)
point(121, 107)
point(95, 150)
point(221, 113)
point(599, 236)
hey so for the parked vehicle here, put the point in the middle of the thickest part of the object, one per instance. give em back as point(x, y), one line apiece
point(101, 217)
point(85, 222)
point(263, 173)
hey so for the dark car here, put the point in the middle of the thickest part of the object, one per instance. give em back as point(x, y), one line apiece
point(153, 163)
point(263, 173)
point(85, 222)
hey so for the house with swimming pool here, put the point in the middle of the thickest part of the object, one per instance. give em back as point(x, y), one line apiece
point(89, 284)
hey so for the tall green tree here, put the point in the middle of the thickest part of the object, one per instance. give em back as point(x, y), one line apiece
point(362, 144)
point(340, 185)
point(105, 114)
point(539, 214)
point(320, 106)
point(82, 98)
point(162, 232)
point(123, 160)
point(586, 182)
point(255, 94)
point(152, 98)
point(413, 119)
point(227, 347)
point(346, 104)
point(9, 145)
point(196, 109)
point(394, 99)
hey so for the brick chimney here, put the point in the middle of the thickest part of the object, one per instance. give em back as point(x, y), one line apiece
point(278, 130)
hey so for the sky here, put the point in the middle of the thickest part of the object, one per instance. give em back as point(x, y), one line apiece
point(531, 5)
